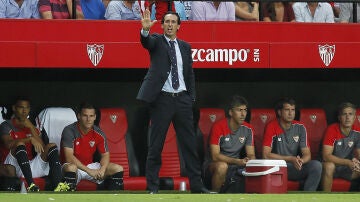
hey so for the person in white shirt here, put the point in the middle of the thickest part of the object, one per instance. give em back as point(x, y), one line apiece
point(313, 12)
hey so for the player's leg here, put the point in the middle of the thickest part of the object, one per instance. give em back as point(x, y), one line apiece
point(218, 171)
point(70, 175)
point(114, 174)
point(327, 176)
point(9, 181)
point(19, 158)
point(51, 155)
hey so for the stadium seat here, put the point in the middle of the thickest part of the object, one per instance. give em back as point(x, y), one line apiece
point(208, 116)
point(315, 123)
point(114, 123)
point(259, 119)
point(357, 119)
point(51, 122)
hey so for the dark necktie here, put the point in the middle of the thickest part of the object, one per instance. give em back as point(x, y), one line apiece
point(174, 69)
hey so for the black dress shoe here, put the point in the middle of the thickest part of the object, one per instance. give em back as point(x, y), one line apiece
point(201, 190)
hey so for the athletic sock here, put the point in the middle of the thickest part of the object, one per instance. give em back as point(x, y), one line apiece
point(116, 181)
point(70, 178)
point(23, 161)
point(55, 173)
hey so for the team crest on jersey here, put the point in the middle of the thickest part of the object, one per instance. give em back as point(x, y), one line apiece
point(113, 118)
point(242, 140)
point(327, 53)
point(92, 143)
point(227, 139)
point(296, 138)
point(95, 53)
point(212, 117)
point(350, 144)
point(313, 118)
point(339, 143)
point(279, 139)
point(263, 118)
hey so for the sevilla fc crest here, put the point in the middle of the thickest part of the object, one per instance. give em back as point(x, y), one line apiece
point(92, 143)
point(113, 118)
point(263, 118)
point(212, 117)
point(95, 53)
point(242, 140)
point(327, 53)
point(313, 118)
point(351, 143)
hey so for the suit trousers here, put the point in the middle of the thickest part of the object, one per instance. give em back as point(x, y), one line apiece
point(178, 110)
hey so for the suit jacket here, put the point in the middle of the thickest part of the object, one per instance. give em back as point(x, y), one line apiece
point(160, 67)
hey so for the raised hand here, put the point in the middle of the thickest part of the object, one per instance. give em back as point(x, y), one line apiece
point(146, 21)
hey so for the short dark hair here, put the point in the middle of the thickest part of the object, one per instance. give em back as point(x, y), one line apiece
point(21, 98)
point(172, 13)
point(344, 105)
point(237, 101)
point(85, 105)
point(280, 104)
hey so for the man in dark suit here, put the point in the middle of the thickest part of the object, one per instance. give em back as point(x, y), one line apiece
point(169, 89)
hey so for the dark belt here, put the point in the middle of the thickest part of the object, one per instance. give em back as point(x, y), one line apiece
point(173, 94)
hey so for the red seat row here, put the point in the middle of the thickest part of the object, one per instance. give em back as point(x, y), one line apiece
point(314, 120)
point(114, 123)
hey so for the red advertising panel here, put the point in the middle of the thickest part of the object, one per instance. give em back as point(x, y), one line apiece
point(230, 55)
point(314, 55)
point(78, 44)
point(92, 55)
point(133, 55)
point(17, 54)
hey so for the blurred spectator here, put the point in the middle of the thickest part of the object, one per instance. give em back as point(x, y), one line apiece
point(246, 11)
point(59, 9)
point(336, 8)
point(162, 7)
point(313, 12)
point(278, 12)
point(212, 11)
point(123, 10)
point(187, 5)
point(94, 9)
point(179, 8)
point(346, 12)
point(19, 9)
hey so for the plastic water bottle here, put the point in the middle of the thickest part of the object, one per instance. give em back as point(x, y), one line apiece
point(182, 186)
point(23, 188)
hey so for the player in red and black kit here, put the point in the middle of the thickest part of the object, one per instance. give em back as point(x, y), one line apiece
point(80, 141)
point(286, 139)
point(340, 144)
point(227, 139)
point(18, 136)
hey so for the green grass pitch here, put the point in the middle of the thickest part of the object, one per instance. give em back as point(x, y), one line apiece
point(174, 197)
